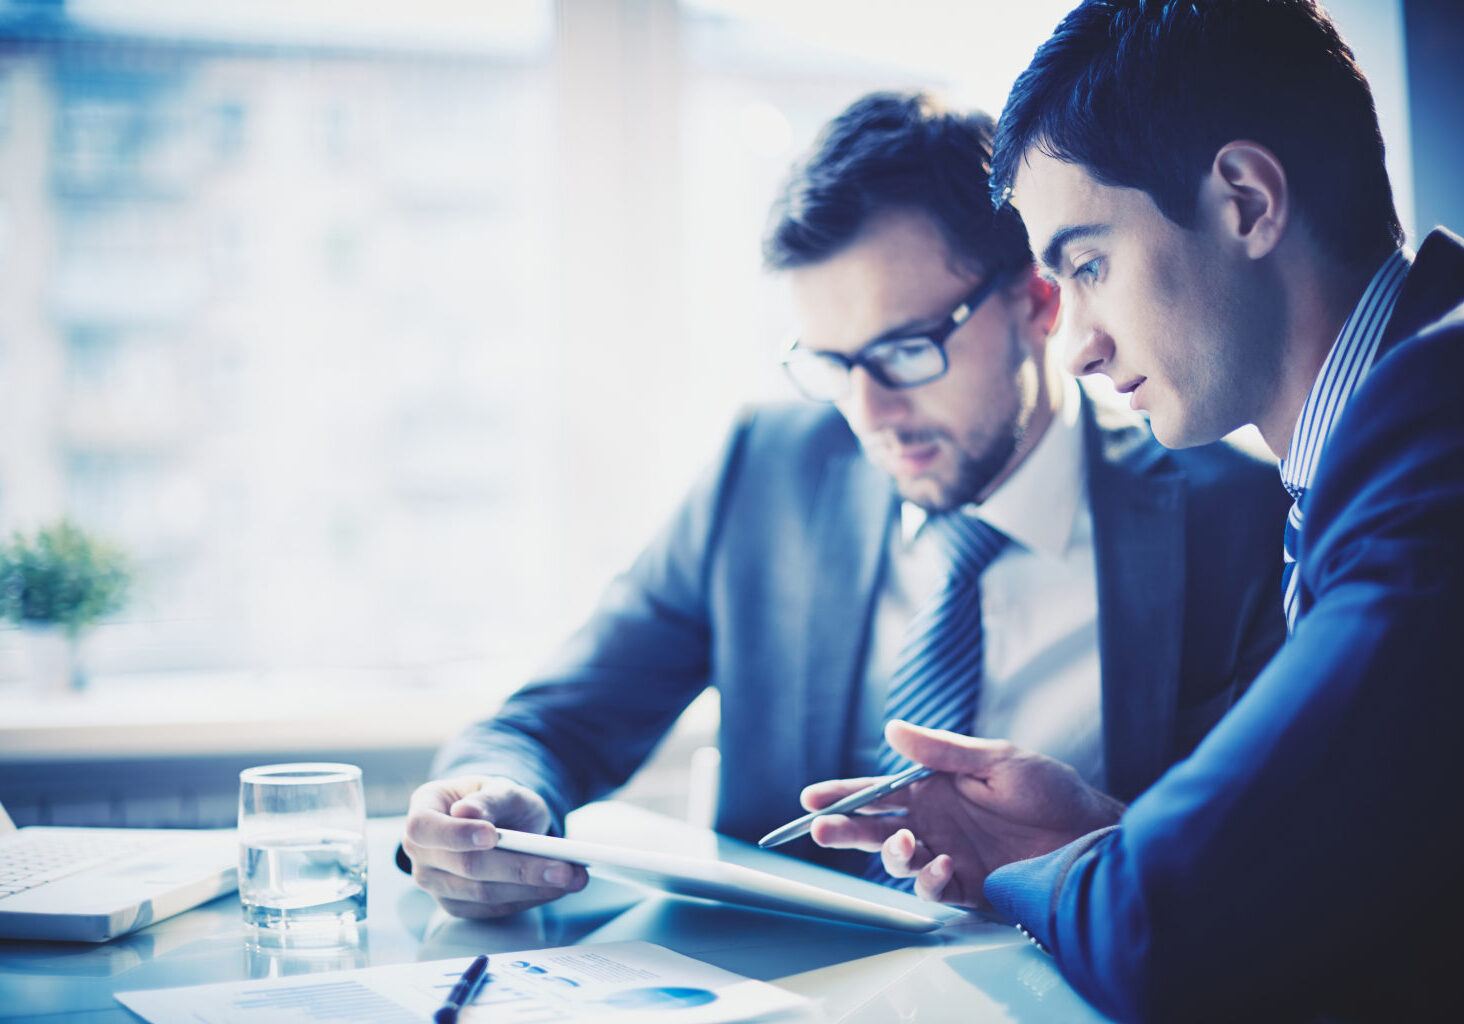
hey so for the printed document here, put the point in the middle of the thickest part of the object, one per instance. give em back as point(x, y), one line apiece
point(613, 982)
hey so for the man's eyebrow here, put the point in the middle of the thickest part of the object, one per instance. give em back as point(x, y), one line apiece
point(911, 328)
point(1064, 237)
point(908, 329)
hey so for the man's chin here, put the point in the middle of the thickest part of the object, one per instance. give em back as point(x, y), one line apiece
point(972, 477)
point(1177, 432)
point(929, 494)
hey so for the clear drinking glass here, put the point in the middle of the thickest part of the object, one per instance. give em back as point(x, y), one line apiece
point(302, 847)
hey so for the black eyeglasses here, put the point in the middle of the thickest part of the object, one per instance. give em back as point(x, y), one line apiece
point(894, 362)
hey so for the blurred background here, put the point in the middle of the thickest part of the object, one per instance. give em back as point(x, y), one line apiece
point(381, 335)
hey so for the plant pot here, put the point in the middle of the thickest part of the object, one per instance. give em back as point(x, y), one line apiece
point(52, 653)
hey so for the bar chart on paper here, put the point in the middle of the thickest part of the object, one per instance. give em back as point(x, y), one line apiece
point(616, 983)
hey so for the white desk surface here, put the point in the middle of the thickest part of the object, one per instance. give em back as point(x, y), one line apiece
point(969, 971)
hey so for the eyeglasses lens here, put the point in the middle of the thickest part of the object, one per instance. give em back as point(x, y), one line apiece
point(908, 361)
point(900, 363)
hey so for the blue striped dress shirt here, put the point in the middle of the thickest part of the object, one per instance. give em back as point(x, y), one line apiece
point(1345, 368)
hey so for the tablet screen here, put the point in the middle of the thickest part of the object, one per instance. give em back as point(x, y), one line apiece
point(718, 880)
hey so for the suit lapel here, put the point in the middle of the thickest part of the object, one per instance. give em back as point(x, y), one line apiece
point(851, 519)
point(1137, 502)
point(1430, 290)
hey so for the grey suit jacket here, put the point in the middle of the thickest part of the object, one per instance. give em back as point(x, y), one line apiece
point(763, 585)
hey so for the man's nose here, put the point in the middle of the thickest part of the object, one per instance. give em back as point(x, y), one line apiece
point(1089, 349)
point(870, 405)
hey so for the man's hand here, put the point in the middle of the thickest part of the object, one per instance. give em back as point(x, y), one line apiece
point(991, 804)
point(450, 837)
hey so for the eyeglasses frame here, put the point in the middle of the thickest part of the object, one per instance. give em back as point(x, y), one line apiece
point(964, 310)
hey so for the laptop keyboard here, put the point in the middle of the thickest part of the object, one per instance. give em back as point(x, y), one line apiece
point(29, 859)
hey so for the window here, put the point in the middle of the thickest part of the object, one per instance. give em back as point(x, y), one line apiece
point(382, 341)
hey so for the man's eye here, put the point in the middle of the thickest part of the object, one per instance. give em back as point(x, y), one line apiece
point(898, 353)
point(912, 349)
point(1087, 271)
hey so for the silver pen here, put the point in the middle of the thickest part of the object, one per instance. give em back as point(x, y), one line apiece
point(867, 795)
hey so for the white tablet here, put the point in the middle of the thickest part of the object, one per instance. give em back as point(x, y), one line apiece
point(717, 880)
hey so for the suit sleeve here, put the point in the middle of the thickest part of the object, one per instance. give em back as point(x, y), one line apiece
point(1302, 860)
point(589, 719)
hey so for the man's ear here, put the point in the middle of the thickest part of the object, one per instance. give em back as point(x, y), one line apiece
point(1248, 194)
point(1040, 298)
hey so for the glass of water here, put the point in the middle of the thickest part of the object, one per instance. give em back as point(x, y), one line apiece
point(302, 847)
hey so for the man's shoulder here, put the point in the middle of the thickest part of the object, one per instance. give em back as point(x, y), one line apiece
point(783, 458)
point(1416, 380)
point(1434, 285)
point(785, 428)
point(1445, 331)
point(1387, 498)
point(1401, 435)
point(1425, 362)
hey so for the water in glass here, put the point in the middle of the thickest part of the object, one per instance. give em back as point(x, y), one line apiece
point(303, 879)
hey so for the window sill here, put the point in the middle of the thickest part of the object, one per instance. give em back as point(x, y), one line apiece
point(166, 750)
point(180, 714)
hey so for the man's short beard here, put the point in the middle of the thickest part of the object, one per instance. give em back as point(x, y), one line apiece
point(974, 474)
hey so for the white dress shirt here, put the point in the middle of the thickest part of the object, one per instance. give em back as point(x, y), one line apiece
point(1039, 608)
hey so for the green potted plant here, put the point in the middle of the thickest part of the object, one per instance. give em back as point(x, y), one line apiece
point(54, 584)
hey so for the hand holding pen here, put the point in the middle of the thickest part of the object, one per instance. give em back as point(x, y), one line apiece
point(868, 795)
point(988, 803)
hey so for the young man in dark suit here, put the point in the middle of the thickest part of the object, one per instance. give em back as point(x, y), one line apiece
point(1205, 181)
point(1134, 597)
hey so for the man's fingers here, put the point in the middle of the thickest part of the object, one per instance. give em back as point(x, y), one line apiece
point(902, 855)
point(933, 878)
point(451, 835)
point(853, 832)
point(821, 794)
point(474, 805)
point(460, 813)
point(502, 883)
point(432, 829)
point(946, 751)
point(499, 866)
point(440, 794)
point(504, 803)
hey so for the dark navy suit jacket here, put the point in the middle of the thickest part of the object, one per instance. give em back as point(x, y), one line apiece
point(1304, 861)
point(763, 585)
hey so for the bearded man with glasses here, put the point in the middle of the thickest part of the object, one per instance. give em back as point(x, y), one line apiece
point(1127, 594)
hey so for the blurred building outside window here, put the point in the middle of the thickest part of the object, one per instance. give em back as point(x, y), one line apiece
point(383, 336)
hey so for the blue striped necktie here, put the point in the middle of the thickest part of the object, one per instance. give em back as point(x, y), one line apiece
point(938, 679)
point(1290, 584)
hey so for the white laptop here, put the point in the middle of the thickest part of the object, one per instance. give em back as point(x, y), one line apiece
point(93, 884)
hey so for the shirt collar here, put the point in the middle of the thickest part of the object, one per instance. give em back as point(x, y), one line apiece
point(1346, 365)
point(1038, 504)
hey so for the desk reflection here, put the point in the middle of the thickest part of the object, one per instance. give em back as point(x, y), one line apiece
point(972, 970)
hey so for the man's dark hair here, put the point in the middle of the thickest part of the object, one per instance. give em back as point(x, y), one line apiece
point(895, 150)
point(1142, 94)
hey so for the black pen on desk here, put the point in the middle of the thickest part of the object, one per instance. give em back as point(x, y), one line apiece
point(463, 992)
point(867, 795)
